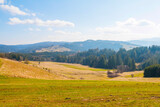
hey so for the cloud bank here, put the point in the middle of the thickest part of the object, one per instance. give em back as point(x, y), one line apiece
point(13, 10)
point(39, 22)
point(1, 1)
point(130, 29)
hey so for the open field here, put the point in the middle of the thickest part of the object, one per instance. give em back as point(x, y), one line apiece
point(17, 69)
point(62, 84)
point(64, 71)
point(72, 71)
point(35, 92)
point(51, 71)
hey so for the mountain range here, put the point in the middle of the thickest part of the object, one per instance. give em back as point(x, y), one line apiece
point(146, 42)
point(67, 46)
point(77, 46)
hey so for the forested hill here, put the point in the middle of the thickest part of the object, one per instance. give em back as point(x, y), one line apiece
point(63, 46)
point(98, 58)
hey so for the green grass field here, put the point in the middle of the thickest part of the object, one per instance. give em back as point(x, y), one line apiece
point(85, 68)
point(135, 75)
point(34, 92)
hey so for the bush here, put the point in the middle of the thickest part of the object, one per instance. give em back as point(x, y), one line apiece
point(152, 71)
point(1, 63)
point(26, 61)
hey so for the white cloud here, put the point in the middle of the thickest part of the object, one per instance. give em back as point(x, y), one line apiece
point(38, 29)
point(111, 30)
point(1, 1)
point(14, 21)
point(13, 10)
point(129, 29)
point(50, 29)
point(32, 29)
point(60, 35)
point(39, 22)
point(33, 14)
point(60, 32)
point(134, 22)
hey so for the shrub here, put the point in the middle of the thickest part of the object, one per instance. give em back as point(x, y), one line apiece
point(152, 71)
point(26, 61)
point(1, 63)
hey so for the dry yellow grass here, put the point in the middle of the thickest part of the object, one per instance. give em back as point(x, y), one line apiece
point(50, 71)
point(64, 71)
point(80, 72)
point(19, 69)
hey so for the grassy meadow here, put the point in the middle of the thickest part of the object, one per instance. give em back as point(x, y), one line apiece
point(61, 85)
point(67, 93)
point(74, 66)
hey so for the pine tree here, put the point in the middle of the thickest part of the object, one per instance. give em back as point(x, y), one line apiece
point(101, 62)
point(119, 60)
point(133, 65)
point(110, 63)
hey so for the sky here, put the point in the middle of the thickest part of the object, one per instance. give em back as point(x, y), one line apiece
point(32, 21)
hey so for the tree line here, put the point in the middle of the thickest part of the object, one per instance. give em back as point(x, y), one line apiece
point(104, 58)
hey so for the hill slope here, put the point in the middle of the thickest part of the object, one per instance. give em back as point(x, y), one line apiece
point(101, 44)
point(18, 69)
point(73, 46)
point(50, 71)
point(56, 48)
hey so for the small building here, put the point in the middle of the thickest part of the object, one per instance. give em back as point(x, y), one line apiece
point(112, 74)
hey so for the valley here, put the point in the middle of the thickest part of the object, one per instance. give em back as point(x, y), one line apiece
point(63, 84)
point(79, 53)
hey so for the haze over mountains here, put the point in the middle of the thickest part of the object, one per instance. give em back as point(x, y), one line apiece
point(66, 46)
point(146, 42)
point(78, 46)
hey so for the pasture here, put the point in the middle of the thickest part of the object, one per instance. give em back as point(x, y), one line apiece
point(67, 93)
point(70, 85)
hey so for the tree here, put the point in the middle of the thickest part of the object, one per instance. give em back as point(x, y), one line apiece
point(26, 61)
point(119, 60)
point(133, 65)
point(152, 71)
point(102, 62)
point(21, 58)
point(112, 62)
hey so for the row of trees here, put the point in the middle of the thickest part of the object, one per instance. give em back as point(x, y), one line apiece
point(100, 58)
point(105, 58)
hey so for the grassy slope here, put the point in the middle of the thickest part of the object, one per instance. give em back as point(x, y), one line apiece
point(82, 67)
point(73, 71)
point(18, 69)
point(64, 71)
point(50, 71)
point(33, 92)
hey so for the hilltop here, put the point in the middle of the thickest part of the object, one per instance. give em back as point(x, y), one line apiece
point(67, 46)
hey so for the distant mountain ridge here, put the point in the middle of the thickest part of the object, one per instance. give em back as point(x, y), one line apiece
point(67, 46)
point(146, 42)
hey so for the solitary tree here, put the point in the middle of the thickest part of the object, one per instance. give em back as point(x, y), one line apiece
point(26, 61)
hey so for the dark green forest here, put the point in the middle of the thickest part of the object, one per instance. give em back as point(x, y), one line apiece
point(104, 58)
point(152, 71)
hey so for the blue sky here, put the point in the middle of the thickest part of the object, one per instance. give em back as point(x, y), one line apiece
point(31, 21)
